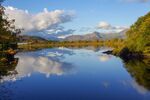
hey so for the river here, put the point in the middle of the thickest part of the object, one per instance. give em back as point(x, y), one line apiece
point(74, 74)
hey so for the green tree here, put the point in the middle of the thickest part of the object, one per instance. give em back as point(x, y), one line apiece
point(8, 32)
point(138, 36)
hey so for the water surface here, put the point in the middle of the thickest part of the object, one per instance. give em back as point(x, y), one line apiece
point(74, 74)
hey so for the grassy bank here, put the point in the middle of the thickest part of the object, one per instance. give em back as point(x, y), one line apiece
point(117, 44)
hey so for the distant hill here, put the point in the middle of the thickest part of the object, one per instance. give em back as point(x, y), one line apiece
point(96, 36)
point(86, 37)
point(25, 38)
point(92, 36)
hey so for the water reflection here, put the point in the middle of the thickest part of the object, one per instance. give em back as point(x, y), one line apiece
point(7, 66)
point(95, 74)
point(140, 88)
point(104, 57)
point(46, 62)
point(44, 65)
point(140, 71)
point(92, 48)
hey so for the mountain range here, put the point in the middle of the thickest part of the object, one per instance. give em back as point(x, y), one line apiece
point(86, 37)
point(96, 36)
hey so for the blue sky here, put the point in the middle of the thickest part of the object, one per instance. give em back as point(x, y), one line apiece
point(88, 13)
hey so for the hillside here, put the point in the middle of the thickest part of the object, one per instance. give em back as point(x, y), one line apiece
point(96, 36)
point(137, 42)
point(33, 39)
point(138, 36)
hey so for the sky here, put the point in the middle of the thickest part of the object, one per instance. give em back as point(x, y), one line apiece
point(64, 17)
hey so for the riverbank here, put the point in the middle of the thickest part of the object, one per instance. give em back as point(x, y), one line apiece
point(118, 46)
point(127, 55)
point(59, 44)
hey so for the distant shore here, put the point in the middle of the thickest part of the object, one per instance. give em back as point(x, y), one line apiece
point(115, 45)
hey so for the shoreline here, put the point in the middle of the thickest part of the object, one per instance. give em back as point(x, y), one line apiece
point(128, 56)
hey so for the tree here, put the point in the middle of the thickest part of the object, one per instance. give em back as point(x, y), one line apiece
point(138, 36)
point(8, 32)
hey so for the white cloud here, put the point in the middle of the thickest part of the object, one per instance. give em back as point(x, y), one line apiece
point(108, 27)
point(104, 25)
point(40, 22)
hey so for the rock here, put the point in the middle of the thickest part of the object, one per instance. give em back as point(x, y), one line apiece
point(108, 52)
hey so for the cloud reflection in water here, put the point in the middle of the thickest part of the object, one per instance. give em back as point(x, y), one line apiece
point(37, 63)
point(104, 57)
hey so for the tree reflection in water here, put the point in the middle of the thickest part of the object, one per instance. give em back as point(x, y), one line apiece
point(8, 65)
point(140, 71)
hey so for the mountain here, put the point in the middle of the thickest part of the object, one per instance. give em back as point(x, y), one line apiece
point(92, 36)
point(96, 36)
point(26, 38)
point(120, 35)
point(86, 37)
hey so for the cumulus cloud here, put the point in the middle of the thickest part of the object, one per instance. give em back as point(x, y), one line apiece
point(104, 25)
point(108, 27)
point(60, 32)
point(41, 22)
